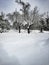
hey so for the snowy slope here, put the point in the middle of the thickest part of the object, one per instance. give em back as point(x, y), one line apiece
point(24, 49)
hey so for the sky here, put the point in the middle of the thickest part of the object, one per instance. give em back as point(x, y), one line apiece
point(8, 6)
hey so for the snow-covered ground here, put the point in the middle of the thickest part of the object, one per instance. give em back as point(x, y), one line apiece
point(24, 48)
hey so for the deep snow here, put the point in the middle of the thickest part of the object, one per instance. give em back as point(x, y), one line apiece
point(24, 48)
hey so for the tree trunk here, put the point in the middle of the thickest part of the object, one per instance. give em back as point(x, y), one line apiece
point(28, 30)
point(19, 29)
point(41, 30)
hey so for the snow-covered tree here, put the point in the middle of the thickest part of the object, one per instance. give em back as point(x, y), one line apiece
point(37, 19)
point(16, 19)
point(10, 17)
point(47, 19)
point(25, 11)
point(4, 24)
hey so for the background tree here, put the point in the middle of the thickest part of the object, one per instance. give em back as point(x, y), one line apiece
point(37, 19)
point(47, 19)
point(17, 20)
point(4, 24)
point(47, 22)
point(10, 17)
point(34, 17)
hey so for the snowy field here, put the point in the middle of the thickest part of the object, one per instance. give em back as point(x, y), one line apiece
point(24, 48)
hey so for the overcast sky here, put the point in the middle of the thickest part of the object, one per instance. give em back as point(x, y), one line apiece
point(10, 5)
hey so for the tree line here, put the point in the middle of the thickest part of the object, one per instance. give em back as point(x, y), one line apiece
point(27, 20)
